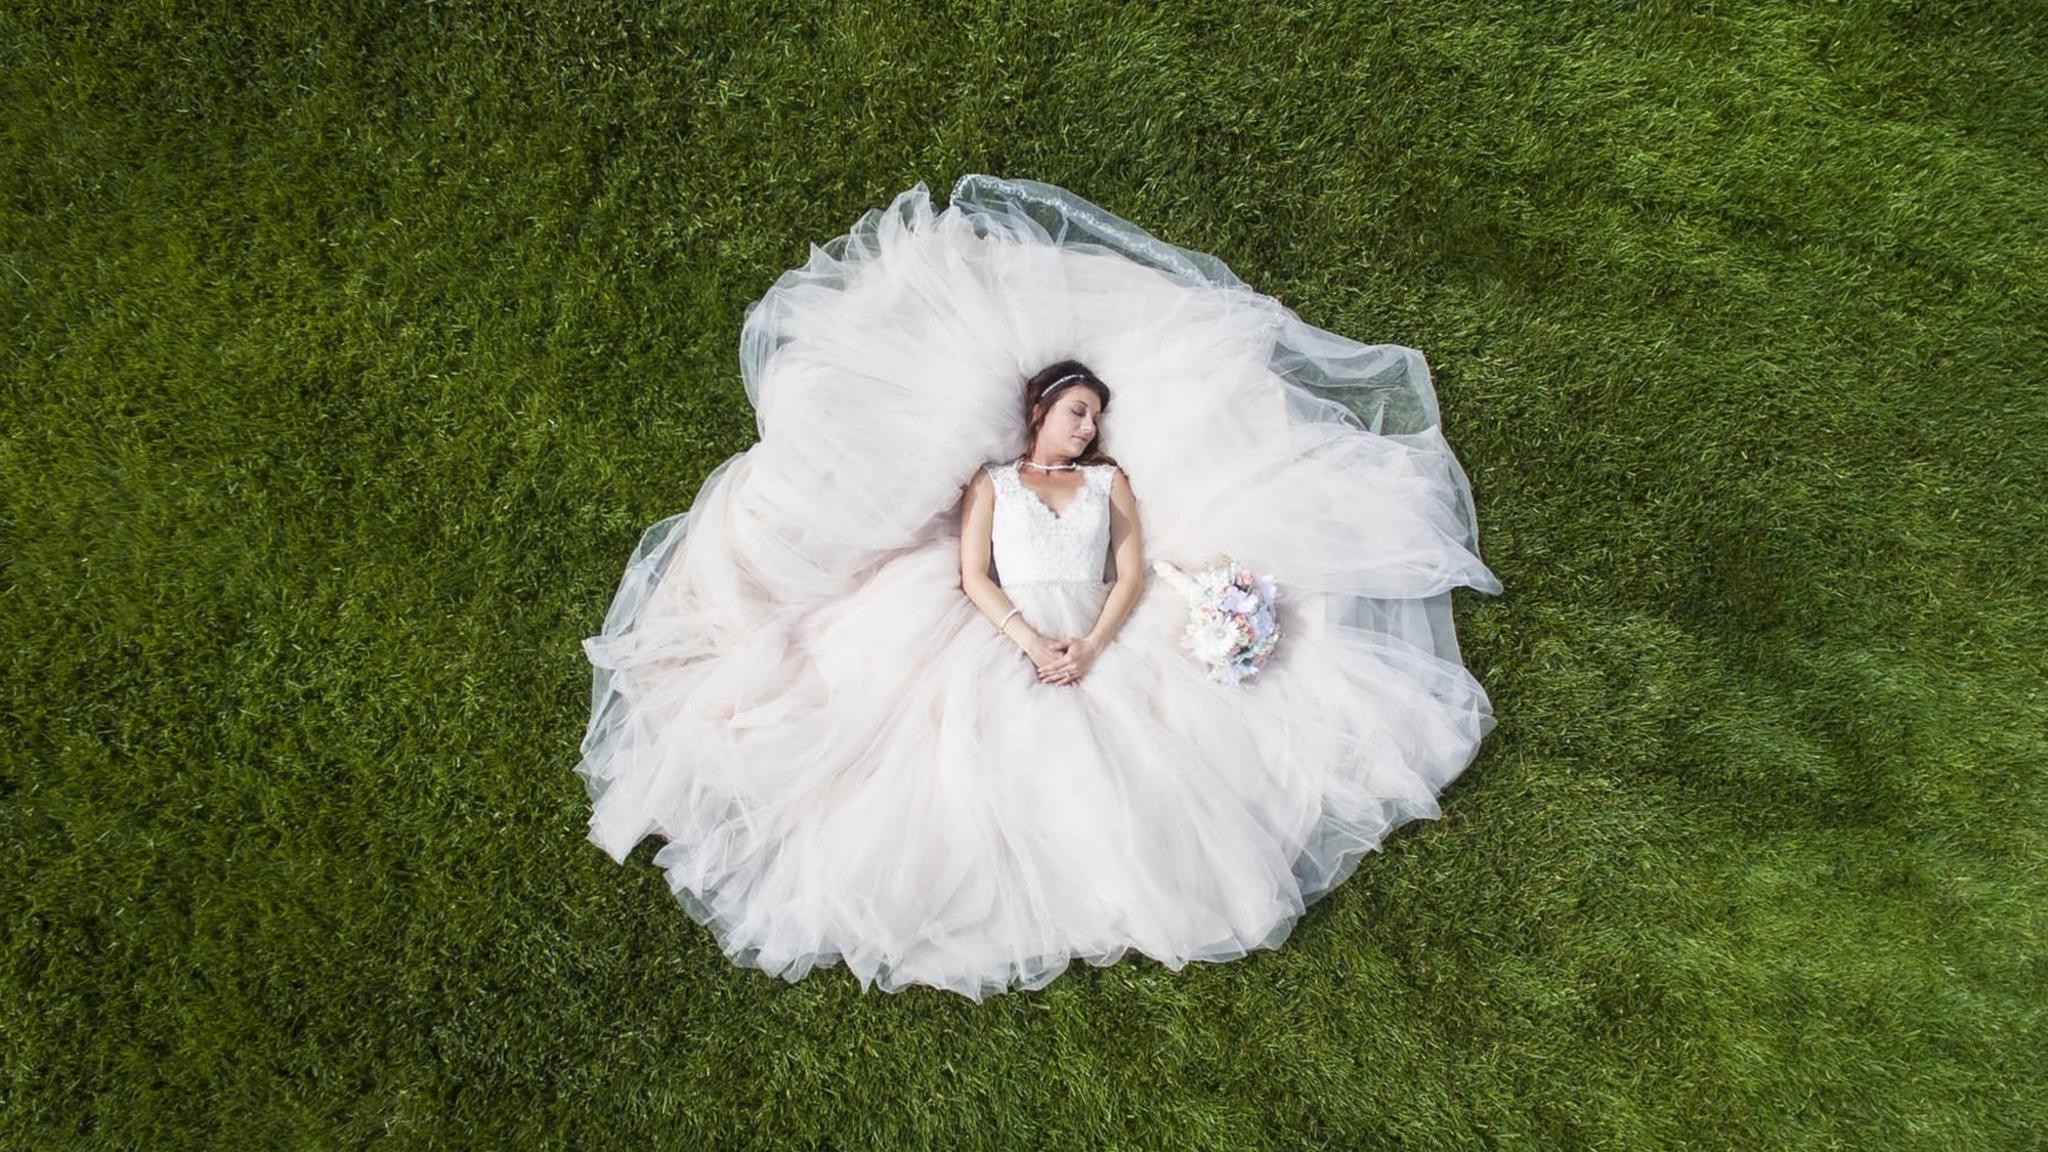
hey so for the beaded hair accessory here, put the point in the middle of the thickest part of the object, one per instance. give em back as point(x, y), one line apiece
point(1049, 388)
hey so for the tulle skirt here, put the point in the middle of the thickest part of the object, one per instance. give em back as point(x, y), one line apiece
point(847, 762)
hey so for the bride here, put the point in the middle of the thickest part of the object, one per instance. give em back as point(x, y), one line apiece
point(896, 691)
point(1096, 511)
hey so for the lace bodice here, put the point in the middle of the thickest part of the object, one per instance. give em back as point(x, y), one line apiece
point(1031, 542)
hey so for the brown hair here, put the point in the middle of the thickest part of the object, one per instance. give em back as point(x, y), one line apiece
point(1045, 387)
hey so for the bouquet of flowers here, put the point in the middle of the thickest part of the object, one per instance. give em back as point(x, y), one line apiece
point(1231, 627)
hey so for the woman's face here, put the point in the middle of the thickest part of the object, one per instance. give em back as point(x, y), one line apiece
point(1070, 425)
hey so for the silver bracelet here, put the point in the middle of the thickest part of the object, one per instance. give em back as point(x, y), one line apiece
point(1006, 620)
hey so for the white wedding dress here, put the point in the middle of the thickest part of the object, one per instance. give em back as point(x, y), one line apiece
point(844, 759)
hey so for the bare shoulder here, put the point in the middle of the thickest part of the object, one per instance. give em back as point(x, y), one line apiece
point(983, 483)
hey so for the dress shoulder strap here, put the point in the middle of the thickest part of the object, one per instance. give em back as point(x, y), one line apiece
point(1004, 476)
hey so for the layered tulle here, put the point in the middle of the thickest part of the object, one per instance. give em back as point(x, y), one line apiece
point(848, 763)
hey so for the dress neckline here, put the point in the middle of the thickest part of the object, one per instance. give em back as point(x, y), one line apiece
point(1080, 494)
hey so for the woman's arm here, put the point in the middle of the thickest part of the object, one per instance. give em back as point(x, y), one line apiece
point(1126, 541)
point(977, 520)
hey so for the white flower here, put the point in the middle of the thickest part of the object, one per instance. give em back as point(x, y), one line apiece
point(1214, 638)
point(1238, 600)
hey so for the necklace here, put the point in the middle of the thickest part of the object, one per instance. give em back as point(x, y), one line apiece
point(1048, 467)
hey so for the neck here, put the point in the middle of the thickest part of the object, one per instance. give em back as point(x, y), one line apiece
point(1049, 459)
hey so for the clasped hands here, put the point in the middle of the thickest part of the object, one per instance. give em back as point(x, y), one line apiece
point(1064, 660)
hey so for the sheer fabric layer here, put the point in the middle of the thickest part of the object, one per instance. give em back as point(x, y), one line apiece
point(847, 763)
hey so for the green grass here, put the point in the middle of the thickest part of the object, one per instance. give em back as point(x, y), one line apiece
point(349, 348)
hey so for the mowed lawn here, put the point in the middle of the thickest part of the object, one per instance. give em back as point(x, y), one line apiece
point(349, 348)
